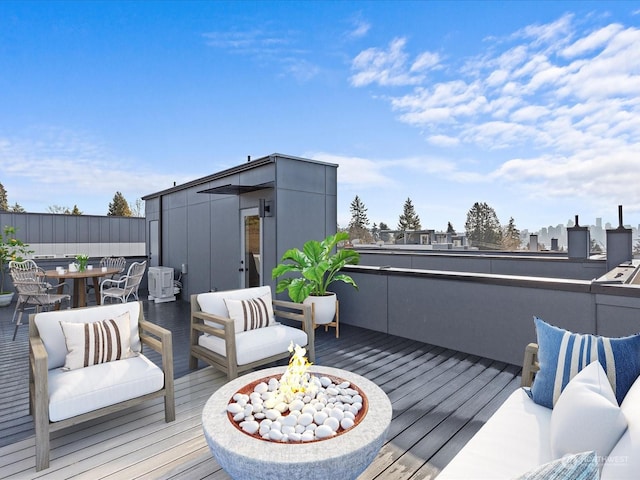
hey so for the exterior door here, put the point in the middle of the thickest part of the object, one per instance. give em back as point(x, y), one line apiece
point(154, 243)
point(251, 248)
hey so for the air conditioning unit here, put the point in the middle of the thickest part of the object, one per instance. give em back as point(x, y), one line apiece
point(161, 284)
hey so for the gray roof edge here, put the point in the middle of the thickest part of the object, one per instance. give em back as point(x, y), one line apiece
point(232, 171)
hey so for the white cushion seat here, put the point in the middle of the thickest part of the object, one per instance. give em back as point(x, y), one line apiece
point(497, 451)
point(87, 389)
point(254, 345)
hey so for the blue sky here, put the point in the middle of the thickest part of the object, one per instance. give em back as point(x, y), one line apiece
point(531, 107)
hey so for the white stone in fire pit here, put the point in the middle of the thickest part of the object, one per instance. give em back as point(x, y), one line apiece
point(344, 456)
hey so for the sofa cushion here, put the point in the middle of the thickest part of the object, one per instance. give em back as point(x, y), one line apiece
point(580, 466)
point(587, 415)
point(252, 313)
point(97, 342)
point(254, 345)
point(562, 354)
point(75, 392)
point(514, 440)
point(623, 462)
point(50, 331)
point(214, 302)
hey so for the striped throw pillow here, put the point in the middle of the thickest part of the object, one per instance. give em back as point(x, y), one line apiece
point(92, 343)
point(579, 466)
point(251, 313)
point(562, 354)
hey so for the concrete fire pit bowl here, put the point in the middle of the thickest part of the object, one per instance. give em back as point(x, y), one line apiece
point(344, 456)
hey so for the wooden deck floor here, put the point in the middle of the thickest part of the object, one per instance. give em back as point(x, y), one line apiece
point(440, 399)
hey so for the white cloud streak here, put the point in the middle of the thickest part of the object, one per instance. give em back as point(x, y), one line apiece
point(559, 100)
point(57, 164)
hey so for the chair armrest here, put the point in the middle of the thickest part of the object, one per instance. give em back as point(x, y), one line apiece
point(39, 378)
point(60, 285)
point(162, 344)
point(110, 281)
point(39, 357)
point(530, 364)
point(294, 311)
point(197, 323)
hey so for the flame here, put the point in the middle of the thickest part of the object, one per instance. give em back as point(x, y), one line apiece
point(296, 379)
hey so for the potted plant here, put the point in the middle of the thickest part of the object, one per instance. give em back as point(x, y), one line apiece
point(11, 248)
point(318, 267)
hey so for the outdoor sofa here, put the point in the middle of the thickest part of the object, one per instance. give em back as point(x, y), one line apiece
point(592, 430)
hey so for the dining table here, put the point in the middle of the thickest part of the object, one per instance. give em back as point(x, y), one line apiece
point(79, 295)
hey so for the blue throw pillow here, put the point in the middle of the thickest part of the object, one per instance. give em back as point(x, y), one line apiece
point(562, 354)
point(581, 466)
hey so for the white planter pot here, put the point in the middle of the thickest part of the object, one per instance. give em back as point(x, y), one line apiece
point(324, 308)
point(5, 299)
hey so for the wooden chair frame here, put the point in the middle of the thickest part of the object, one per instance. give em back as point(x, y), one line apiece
point(530, 364)
point(229, 364)
point(151, 335)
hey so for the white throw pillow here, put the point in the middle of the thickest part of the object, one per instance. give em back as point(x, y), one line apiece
point(251, 313)
point(586, 415)
point(92, 343)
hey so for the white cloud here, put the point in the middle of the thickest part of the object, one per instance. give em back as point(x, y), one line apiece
point(591, 42)
point(556, 107)
point(86, 173)
point(443, 140)
point(360, 28)
point(356, 171)
point(390, 67)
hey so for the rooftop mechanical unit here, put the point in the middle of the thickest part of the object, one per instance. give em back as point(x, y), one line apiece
point(161, 284)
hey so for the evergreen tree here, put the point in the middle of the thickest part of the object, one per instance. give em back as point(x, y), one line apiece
point(17, 208)
point(483, 228)
point(375, 232)
point(358, 226)
point(409, 219)
point(384, 236)
point(119, 207)
point(4, 202)
point(76, 210)
point(511, 236)
point(358, 214)
point(450, 229)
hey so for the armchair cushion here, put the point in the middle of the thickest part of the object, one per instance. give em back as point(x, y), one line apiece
point(98, 342)
point(251, 313)
point(53, 338)
point(254, 345)
point(83, 390)
point(214, 302)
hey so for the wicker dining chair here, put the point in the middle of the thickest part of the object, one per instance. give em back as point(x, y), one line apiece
point(33, 290)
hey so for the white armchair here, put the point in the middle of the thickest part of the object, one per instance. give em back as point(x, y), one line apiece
point(223, 336)
point(79, 373)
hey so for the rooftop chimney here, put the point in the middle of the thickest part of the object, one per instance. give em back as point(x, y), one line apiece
point(619, 244)
point(578, 241)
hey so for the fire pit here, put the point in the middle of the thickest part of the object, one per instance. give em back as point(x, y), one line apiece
point(344, 454)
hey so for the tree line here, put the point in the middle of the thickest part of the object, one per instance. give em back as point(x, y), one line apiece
point(482, 227)
point(118, 207)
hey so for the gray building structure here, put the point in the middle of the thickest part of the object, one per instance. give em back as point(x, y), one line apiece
point(229, 229)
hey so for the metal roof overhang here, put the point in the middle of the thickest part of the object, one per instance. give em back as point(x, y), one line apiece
point(230, 189)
